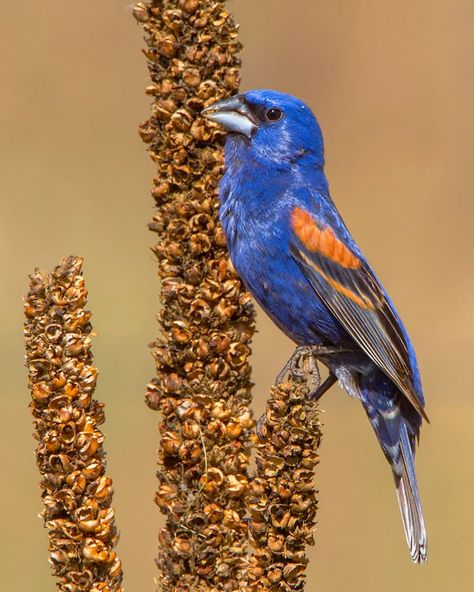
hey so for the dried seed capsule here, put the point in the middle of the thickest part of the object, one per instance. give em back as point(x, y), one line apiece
point(283, 504)
point(202, 386)
point(76, 493)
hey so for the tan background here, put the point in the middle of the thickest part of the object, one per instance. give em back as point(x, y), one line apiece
point(392, 84)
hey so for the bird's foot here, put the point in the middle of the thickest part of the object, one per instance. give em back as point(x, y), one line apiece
point(293, 366)
point(319, 391)
point(303, 364)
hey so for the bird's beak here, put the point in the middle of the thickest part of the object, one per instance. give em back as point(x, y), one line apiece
point(233, 114)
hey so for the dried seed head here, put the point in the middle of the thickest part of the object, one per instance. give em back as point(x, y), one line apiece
point(202, 385)
point(76, 493)
point(282, 499)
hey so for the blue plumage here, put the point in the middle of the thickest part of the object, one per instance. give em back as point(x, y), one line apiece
point(293, 251)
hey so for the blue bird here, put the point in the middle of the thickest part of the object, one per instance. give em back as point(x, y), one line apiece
point(296, 256)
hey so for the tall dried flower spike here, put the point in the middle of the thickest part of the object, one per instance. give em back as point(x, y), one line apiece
point(282, 501)
point(76, 492)
point(202, 383)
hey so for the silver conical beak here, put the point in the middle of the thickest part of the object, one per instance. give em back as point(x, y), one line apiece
point(233, 114)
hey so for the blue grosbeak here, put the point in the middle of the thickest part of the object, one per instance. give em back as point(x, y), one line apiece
point(293, 251)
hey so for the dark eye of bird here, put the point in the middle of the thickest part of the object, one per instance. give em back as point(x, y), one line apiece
point(273, 114)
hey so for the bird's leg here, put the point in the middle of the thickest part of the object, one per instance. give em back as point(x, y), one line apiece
point(281, 375)
point(317, 393)
point(303, 362)
point(292, 366)
point(312, 369)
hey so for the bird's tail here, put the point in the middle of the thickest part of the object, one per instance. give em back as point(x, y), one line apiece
point(410, 503)
point(396, 425)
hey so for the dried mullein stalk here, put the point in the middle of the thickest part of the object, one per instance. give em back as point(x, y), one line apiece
point(76, 492)
point(202, 383)
point(282, 501)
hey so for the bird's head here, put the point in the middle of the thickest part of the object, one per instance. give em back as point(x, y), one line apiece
point(273, 126)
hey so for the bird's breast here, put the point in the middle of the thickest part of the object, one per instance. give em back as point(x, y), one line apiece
point(255, 214)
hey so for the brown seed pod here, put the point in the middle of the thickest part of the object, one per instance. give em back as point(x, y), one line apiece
point(282, 499)
point(202, 385)
point(75, 490)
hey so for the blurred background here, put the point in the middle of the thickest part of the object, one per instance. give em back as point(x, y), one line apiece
point(392, 86)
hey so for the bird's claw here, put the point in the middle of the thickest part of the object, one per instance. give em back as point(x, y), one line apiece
point(260, 427)
point(302, 363)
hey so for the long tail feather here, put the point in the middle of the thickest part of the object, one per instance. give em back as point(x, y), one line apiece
point(397, 427)
point(410, 503)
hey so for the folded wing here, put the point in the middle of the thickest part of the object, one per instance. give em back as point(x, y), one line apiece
point(353, 294)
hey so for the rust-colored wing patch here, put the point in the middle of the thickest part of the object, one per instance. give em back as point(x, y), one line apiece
point(322, 240)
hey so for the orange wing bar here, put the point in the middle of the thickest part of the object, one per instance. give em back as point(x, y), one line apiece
point(322, 240)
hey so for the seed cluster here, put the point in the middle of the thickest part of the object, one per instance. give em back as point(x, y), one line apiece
point(202, 383)
point(282, 501)
point(76, 492)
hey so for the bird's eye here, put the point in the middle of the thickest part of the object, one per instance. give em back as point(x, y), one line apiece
point(273, 114)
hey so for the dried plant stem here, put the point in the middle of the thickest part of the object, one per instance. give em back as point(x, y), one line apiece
point(202, 384)
point(76, 492)
point(283, 501)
